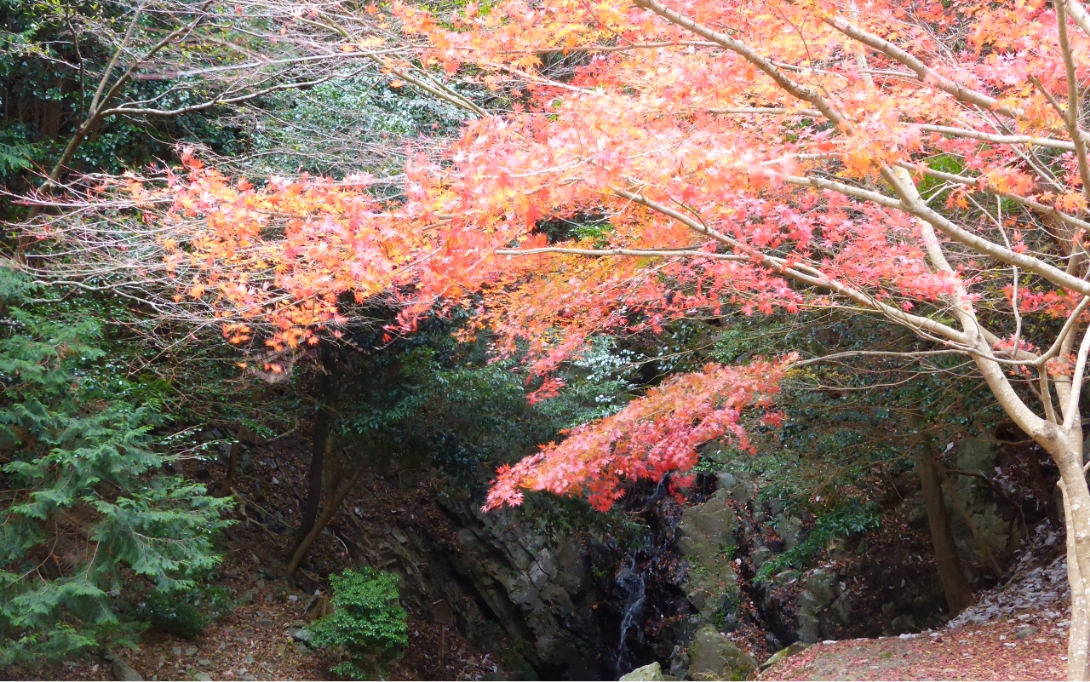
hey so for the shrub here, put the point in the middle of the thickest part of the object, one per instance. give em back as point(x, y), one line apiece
point(185, 613)
point(367, 623)
point(848, 519)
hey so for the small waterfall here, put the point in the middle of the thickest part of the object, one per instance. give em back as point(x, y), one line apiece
point(632, 582)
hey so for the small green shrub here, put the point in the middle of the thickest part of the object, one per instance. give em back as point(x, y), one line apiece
point(848, 519)
point(367, 623)
point(185, 614)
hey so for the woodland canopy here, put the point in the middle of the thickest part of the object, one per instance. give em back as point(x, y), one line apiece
point(577, 243)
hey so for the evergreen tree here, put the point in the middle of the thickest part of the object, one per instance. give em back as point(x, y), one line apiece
point(91, 519)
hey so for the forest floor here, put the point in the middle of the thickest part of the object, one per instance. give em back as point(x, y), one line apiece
point(1016, 631)
point(1030, 648)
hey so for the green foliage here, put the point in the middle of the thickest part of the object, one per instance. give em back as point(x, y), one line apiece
point(446, 404)
point(14, 157)
point(355, 125)
point(185, 614)
point(841, 522)
point(367, 623)
point(88, 514)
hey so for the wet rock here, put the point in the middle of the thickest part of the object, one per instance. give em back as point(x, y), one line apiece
point(679, 663)
point(124, 672)
point(647, 672)
point(714, 657)
point(572, 568)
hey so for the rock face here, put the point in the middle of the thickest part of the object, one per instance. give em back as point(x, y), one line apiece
point(706, 539)
point(533, 585)
point(980, 526)
point(714, 657)
point(505, 580)
point(820, 591)
point(647, 672)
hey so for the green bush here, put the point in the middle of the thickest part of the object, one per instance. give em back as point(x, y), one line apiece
point(367, 623)
point(850, 518)
point(186, 613)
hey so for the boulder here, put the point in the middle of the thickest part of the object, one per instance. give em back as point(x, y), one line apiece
point(706, 534)
point(786, 577)
point(789, 528)
point(841, 609)
point(809, 610)
point(904, 624)
point(714, 657)
point(782, 654)
point(124, 672)
point(679, 663)
point(760, 556)
point(647, 672)
point(822, 584)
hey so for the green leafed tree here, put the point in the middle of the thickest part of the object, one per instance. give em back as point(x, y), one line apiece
point(91, 520)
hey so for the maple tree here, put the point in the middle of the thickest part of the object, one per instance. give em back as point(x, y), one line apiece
point(924, 163)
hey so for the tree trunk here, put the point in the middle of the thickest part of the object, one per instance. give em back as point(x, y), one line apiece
point(321, 446)
point(1076, 497)
point(959, 595)
point(232, 462)
point(955, 586)
point(334, 498)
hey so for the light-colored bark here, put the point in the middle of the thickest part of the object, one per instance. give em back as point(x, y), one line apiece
point(1076, 499)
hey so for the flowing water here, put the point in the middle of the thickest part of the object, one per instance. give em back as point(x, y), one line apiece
point(632, 582)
